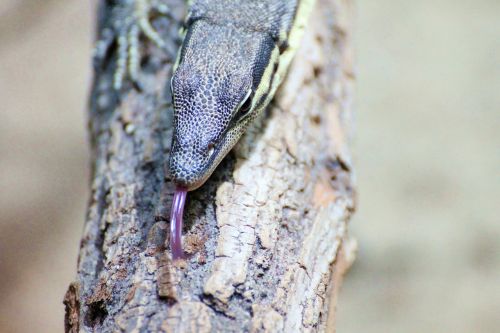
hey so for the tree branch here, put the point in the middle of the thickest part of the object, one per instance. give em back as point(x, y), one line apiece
point(267, 232)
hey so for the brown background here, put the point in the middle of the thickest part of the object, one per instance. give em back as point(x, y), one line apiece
point(426, 149)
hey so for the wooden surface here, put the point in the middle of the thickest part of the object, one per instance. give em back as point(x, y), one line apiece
point(268, 231)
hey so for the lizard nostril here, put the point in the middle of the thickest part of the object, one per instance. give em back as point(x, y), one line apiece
point(210, 149)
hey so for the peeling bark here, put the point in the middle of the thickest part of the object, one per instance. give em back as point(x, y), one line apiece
point(267, 233)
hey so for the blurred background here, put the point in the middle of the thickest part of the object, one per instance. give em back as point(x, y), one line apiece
point(427, 153)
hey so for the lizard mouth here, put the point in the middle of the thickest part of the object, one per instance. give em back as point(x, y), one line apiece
point(192, 183)
point(190, 171)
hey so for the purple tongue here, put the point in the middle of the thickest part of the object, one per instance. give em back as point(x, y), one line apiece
point(176, 223)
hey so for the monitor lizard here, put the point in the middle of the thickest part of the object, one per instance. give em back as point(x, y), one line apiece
point(233, 57)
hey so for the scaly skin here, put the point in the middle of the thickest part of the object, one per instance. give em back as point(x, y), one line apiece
point(234, 56)
point(129, 19)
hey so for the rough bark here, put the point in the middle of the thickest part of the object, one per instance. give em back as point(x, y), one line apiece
point(267, 232)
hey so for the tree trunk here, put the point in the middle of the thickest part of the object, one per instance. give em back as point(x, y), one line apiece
point(267, 232)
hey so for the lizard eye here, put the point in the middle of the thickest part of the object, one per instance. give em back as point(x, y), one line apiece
point(246, 105)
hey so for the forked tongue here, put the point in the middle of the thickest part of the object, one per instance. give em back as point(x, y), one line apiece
point(176, 223)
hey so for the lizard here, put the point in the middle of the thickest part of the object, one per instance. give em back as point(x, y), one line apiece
point(233, 57)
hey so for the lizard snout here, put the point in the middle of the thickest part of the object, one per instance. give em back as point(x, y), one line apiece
point(188, 168)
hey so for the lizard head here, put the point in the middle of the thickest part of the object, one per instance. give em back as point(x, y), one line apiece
point(215, 89)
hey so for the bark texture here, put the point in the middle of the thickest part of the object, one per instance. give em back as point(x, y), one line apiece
point(267, 232)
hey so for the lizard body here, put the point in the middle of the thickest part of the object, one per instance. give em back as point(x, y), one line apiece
point(234, 55)
point(233, 58)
